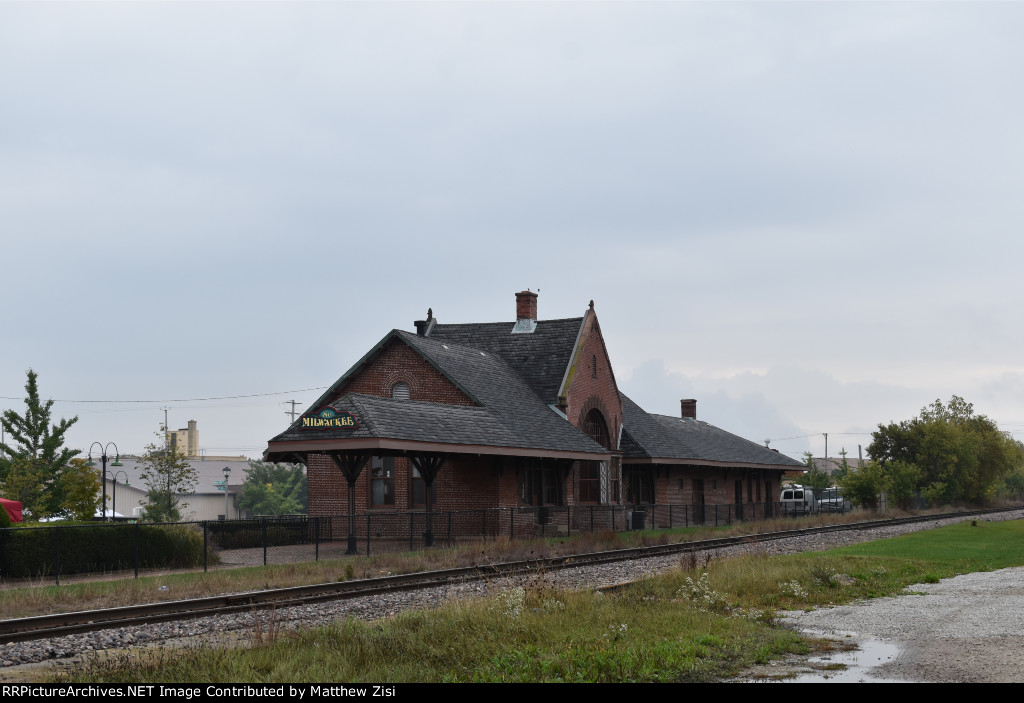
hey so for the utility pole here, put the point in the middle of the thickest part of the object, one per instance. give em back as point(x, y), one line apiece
point(166, 438)
point(292, 412)
point(826, 450)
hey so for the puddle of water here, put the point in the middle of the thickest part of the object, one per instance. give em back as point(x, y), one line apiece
point(859, 663)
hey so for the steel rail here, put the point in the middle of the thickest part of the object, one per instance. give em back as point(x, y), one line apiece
point(45, 626)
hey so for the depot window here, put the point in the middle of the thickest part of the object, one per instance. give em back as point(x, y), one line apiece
point(382, 481)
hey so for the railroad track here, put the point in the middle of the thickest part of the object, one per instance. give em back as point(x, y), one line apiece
point(45, 626)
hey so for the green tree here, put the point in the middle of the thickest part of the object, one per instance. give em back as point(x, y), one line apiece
point(962, 457)
point(167, 474)
point(844, 467)
point(1013, 484)
point(36, 451)
point(813, 477)
point(863, 486)
point(274, 489)
point(902, 481)
point(82, 486)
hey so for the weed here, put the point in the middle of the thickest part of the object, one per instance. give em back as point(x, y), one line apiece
point(831, 667)
point(616, 632)
point(824, 575)
point(756, 547)
point(701, 594)
point(793, 589)
point(765, 616)
point(510, 602)
point(688, 561)
point(261, 636)
point(552, 605)
point(824, 645)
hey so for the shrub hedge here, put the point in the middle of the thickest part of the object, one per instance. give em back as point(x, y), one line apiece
point(242, 534)
point(36, 551)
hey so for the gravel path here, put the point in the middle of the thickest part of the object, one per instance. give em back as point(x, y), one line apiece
point(21, 660)
point(967, 629)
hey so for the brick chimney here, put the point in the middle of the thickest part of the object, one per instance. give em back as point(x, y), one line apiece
point(526, 305)
point(425, 327)
point(526, 313)
point(689, 407)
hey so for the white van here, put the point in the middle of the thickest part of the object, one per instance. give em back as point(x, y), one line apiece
point(798, 500)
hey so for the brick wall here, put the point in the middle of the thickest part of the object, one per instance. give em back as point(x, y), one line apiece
point(464, 483)
point(399, 362)
point(674, 484)
point(592, 386)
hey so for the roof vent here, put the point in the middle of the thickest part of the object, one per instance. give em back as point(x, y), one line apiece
point(425, 327)
point(526, 312)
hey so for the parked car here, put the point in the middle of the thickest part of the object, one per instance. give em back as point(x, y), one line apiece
point(831, 500)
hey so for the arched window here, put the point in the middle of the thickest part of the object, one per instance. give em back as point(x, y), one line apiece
point(400, 391)
point(592, 473)
point(595, 427)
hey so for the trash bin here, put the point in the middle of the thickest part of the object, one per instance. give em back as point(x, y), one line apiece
point(639, 519)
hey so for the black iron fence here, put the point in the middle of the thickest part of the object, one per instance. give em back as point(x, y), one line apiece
point(54, 553)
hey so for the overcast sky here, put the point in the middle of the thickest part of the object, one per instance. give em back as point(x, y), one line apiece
point(801, 214)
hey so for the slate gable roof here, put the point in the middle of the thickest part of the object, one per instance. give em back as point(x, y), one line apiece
point(510, 413)
point(495, 383)
point(515, 380)
point(651, 436)
point(539, 358)
point(410, 420)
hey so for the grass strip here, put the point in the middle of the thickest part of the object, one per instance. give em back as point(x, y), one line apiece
point(697, 623)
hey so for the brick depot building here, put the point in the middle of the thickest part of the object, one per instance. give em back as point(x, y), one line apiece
point(521, 414)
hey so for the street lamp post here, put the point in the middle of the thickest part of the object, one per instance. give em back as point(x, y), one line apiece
point(103, 458)
point(113, 500)
point(227, 473)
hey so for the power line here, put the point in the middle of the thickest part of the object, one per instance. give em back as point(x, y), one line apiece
point(783, 439)
point(178, 400)
point(815, 434)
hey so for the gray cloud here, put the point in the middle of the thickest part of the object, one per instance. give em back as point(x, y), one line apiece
point(220, 199)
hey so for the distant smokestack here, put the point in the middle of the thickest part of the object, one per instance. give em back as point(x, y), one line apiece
point(689, 407)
